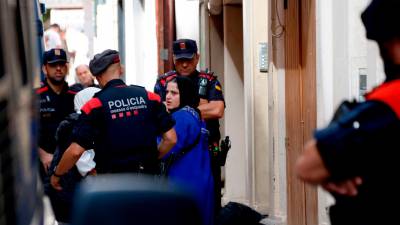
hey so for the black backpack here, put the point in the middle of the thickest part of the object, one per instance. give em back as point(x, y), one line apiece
point(238, 214)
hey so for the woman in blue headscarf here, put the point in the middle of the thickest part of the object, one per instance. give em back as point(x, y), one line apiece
point(189, 160)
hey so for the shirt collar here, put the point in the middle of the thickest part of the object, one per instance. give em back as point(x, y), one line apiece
point(113, 83)
point(65, 87)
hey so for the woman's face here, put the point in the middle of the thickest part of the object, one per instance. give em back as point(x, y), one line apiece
point(172, 99)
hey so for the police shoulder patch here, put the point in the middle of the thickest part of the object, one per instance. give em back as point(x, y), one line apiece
point(208, 75)
point(163, 79)
point(91, 104)
point(218, 87)
point(153, 96)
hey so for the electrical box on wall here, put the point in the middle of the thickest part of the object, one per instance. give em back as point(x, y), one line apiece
point(362, 72)
point(263, 62)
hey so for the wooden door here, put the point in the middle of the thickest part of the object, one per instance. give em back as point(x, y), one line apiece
point(300, 86)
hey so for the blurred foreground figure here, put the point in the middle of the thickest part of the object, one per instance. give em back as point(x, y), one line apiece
point(356, 156)
point(133, 200)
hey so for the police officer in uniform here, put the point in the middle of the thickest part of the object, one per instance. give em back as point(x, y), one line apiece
point(56, 102)
point(356, 157)
point(122, 121)
point(212, 104)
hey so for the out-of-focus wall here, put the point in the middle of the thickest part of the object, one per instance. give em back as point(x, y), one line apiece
point(187, 19)
point(140, 43)
point(106, 35)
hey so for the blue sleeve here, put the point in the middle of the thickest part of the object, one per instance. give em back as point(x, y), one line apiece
point(187, 130)
point(350, 145)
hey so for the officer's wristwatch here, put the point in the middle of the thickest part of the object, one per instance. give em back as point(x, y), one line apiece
point(54, 172)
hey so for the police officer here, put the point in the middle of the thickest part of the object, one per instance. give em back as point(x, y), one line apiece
point(356, 157)
point(212, 102)
point(56, 102)
point(122, 121)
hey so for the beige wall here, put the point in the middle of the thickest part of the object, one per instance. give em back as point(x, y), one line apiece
point(254, 116)
point(256, 105)
point(234, 114)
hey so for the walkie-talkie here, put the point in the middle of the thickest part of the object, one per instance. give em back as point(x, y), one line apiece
point(203, 87)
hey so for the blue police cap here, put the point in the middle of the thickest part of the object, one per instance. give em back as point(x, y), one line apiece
point(184, 48)
point(102, 61)
point(54, 55)
point(381, 18)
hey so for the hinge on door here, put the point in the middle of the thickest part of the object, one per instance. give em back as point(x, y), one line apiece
point(285, 3)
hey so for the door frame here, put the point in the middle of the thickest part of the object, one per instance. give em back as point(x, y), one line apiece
point(300, 103)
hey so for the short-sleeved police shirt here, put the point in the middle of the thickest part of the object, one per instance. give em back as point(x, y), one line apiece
point(123, 122)
point(53, 109)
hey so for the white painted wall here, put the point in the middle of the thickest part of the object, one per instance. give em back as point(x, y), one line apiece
point(237, 178)
point(324, 84)
point(106, 26)
point(249, 70)
point(68, 18)
point(256, 88)
point(187, 15)
point(277, 114)
point(140, 43)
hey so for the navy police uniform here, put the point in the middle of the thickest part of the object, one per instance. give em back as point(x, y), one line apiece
point(114, 119)
point(53, 109)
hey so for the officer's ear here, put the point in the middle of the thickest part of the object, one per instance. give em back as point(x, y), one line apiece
point(44, 69)
point(121, 69)
point(197, 57)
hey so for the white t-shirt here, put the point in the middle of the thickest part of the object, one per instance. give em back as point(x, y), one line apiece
point(52, 39)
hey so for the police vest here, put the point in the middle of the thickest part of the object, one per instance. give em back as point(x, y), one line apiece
point(129, 132)
point(204, 80)
point(388, 93)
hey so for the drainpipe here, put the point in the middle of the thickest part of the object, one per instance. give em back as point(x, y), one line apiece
point(215, 7)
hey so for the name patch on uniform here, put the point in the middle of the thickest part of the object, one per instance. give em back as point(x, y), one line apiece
point(126, 105)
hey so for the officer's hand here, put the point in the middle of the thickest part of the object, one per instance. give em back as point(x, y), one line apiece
point(45, 158)
point(348, 187)
point(55, 182)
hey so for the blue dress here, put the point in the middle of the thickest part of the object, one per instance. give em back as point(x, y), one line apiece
point(192, 170)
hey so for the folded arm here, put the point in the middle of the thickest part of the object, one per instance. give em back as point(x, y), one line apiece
point(211, 109)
